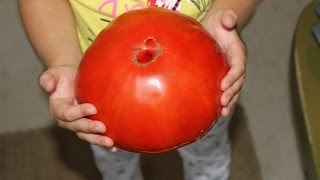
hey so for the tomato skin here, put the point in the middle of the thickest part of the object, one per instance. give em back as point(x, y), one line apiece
point(154, 76)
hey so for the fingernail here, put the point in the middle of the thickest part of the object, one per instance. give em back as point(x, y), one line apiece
point(114, 149)
point(227, 85)
point(46, 85)
point(228, 98)
point(98, 129)
point(105, 143)
point(91, 110)
point(230, 20)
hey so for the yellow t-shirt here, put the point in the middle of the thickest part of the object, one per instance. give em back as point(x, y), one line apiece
point(94, 15)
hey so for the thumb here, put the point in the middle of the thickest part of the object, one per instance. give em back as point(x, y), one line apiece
point(48, 79)
point(229, 19)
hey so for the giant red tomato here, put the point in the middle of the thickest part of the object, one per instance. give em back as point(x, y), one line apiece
point(154, 76)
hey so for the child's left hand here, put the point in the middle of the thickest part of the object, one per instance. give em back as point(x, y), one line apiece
point(222, 27)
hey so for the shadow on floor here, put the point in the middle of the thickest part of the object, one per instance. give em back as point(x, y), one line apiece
point(54, 153)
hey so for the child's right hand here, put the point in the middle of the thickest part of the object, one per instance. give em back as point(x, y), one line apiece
point(59, 83)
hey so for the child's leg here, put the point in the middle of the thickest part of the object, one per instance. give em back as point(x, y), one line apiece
point(121, 165)
point(208, 158)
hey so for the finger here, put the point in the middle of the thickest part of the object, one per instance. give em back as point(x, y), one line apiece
point(50, 78)
point(234, 74)
point(65, 109)
point(96, 139)
point(232, 91)
point(114, 149)
point(233, 101)
point(229, 19)
point(226, 110)
point(236, 58)
point(83, 125)
point(48, 81)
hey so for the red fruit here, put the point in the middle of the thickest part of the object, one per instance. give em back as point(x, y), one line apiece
point(154, 76)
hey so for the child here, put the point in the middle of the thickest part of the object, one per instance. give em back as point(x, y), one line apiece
point(62, 30)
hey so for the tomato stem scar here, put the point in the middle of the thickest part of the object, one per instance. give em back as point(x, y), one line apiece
point(147, 53)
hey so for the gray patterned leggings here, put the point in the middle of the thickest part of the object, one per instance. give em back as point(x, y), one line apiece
point(206, 159)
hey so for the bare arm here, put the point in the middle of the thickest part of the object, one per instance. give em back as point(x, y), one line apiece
point(222, 21)
point(51, 29)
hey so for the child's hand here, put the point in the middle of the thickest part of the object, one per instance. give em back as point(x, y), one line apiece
point(59, 83)
point(221, 25)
